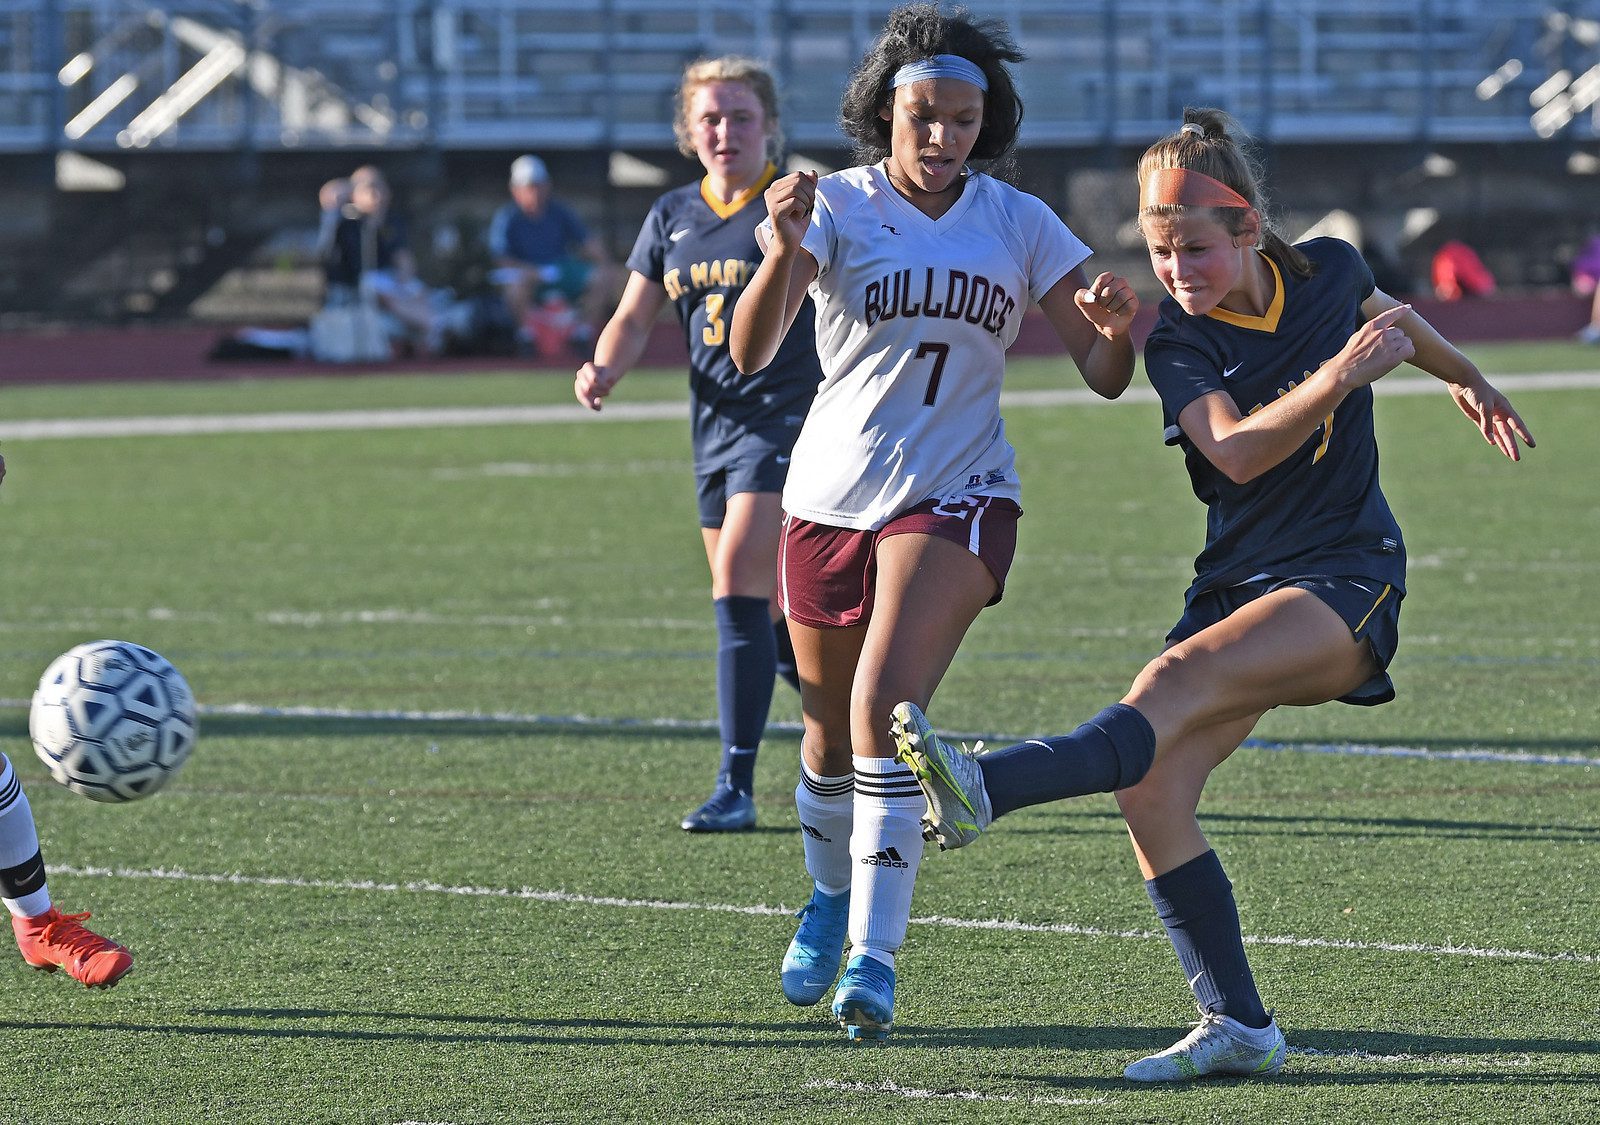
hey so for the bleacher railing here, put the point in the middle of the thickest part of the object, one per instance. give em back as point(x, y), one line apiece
point(266, 75)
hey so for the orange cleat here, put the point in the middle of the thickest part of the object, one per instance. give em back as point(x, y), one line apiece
point(59, 941)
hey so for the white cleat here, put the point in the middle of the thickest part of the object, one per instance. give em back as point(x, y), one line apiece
point(950, 777)
point(1218, 1046)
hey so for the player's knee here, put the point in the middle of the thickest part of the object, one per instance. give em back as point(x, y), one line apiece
point(1172, 691)
point(1155, 799)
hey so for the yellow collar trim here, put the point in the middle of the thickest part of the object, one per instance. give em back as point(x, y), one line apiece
point(1267, 323)
point(736, 204)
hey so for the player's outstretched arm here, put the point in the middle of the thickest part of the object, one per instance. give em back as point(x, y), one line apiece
point(1485, 407)
point(1093, 319)
point(621, 341)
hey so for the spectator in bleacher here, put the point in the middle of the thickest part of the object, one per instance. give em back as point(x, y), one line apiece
point(366, 256)
point(1264, 356)
point(1586, 283)
point(1458, 272)
point(541, 248)
point(902, 501)
point(698, 249)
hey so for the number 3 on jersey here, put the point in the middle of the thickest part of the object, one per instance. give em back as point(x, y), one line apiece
point(940, 353)
point(715, 330)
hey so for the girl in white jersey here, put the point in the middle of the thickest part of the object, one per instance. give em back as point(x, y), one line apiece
point(902, 498)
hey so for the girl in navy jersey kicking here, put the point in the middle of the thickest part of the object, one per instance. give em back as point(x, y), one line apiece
point(901, 507)
point(697, 249)
point(1263, 356)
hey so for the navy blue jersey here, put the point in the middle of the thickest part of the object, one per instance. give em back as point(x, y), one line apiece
point(1320, 511)
point(704, 252)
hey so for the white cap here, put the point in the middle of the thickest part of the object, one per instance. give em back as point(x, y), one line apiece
point(529, 170)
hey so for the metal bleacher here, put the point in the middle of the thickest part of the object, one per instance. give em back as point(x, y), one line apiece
point(264, 99)
point(462, 75)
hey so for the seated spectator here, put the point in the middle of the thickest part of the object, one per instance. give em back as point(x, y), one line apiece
point(1586, 283)
point(541, 247)
point(365, 257)
point(1458, 272)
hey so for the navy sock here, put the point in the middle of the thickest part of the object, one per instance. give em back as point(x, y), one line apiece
point(786, 664)
point(746, 666)
point(1111, 751)
point(1195, 904)
point(738, 769)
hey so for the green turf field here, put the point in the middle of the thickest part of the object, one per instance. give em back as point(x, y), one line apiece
point(424, 864)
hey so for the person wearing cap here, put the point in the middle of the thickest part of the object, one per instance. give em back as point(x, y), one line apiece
point(541, 248)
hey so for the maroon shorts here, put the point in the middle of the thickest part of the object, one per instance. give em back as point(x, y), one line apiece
point(826, 574)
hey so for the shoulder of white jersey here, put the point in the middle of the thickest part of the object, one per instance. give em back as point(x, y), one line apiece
point(839, 189)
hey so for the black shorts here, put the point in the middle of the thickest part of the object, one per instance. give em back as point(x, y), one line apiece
point(756, 461)
point(1369, 607)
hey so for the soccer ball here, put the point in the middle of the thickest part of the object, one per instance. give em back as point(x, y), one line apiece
point(112, 720)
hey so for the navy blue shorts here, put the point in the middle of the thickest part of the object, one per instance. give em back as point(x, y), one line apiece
point(754, 462)
point(1370, 608)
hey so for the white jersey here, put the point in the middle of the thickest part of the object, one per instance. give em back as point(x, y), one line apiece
point(914, 316)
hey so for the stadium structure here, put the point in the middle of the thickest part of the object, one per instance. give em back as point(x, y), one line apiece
point(149, 149)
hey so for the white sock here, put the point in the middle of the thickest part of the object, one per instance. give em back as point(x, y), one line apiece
point(827, 814)
point(19, 840)
point(885, 852)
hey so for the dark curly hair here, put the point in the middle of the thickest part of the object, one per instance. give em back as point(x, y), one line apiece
point(920, 31)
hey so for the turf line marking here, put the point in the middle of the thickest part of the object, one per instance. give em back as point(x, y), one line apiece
point(250, 710)
point(1356, 749)
point(532, 719)
point(530, 894)
point(888, 1086)
point(428, 417)
point(1358, 1055)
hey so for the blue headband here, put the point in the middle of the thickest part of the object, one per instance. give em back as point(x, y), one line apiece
point(941, 66)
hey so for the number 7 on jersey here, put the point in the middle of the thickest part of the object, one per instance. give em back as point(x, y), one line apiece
point(940, 353)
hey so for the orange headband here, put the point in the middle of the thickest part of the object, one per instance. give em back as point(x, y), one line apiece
point(1187, 188)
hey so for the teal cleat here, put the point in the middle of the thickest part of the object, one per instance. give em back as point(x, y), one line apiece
point(864, 1004)
point(813, 958)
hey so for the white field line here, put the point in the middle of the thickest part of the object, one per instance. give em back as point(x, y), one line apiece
point(888, 1086)
point(531, 894)
point(1433, 1060)
point(82, 618)
point(89, 617)
point(521, 718)
point(441, 417)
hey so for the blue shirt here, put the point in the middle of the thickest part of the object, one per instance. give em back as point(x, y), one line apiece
point(1320, 511)
point(552, 236)
point(704, 252)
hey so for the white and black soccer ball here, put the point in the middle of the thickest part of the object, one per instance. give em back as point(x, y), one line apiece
point(112, 720)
